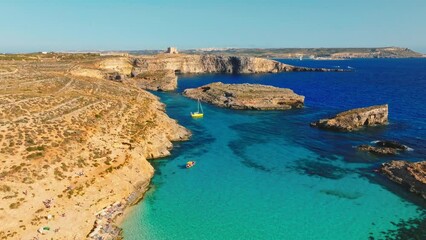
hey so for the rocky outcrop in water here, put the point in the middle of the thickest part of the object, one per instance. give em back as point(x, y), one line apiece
point(392, 144)
point(355, 119)
point(384, 147)
point(407, 174)
point(377, 150)
point(246, 96)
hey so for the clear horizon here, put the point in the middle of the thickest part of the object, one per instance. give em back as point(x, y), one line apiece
point(33, 26)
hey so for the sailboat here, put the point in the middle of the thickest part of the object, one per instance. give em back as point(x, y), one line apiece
point(198, 113)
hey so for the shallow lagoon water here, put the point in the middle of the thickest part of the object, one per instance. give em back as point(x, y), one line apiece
point(268, 175)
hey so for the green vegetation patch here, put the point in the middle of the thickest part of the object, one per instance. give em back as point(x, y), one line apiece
point(35, 148)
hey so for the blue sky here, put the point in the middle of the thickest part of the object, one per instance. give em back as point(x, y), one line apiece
point(54, 25)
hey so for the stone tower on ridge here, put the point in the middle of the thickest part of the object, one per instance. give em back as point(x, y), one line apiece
point(172, 50)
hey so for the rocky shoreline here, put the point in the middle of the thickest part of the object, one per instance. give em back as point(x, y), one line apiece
point(409, 175)
point(105, 226)
point(384, 148)
point(246, 96)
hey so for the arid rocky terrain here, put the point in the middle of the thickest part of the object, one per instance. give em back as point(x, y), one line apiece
point(73, 142)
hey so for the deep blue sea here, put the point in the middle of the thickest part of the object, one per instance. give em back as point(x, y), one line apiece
point(269, 175)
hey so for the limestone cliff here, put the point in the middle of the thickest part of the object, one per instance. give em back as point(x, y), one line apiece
point(158, 72)
point(355, 119)
point(246, 96)
point(407, 174)
point(212, 64)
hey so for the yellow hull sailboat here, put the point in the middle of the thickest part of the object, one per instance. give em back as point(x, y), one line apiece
point(199, 113)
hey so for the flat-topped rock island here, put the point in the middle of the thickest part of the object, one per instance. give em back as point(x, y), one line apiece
point(355, 119)
point(246, 96)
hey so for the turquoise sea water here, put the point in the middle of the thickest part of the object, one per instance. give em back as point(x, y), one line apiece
point(268, 175)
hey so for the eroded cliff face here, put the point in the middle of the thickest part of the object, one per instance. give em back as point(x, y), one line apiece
point(161, 80)
point(182, 63)
point(355, 119)
point(208, 64)
point(407, 174)
point(158, 72)
point(246, 96)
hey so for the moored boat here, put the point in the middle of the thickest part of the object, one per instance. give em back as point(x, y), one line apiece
point(199, 113)
point(190, 164)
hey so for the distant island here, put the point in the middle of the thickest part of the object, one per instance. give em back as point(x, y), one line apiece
point(302, 53)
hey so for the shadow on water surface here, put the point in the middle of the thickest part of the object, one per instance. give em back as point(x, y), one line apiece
point(248, 135)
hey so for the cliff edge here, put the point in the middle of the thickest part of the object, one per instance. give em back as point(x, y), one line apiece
point(159, 72)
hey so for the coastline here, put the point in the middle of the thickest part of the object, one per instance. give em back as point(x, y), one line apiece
point(254, 144)
point(79, 145)
point(97, 170)
point(108, 220)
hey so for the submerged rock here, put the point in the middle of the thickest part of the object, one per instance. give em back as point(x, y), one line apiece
point(246, 96)
point(355, 119)
point(377, 150)
point(392, 144)
point(384, 147)
point(407, 174)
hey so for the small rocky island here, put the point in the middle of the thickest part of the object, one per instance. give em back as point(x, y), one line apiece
point(408, 174)
point(355, 119)
point(246, 96)
point(384, 148)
